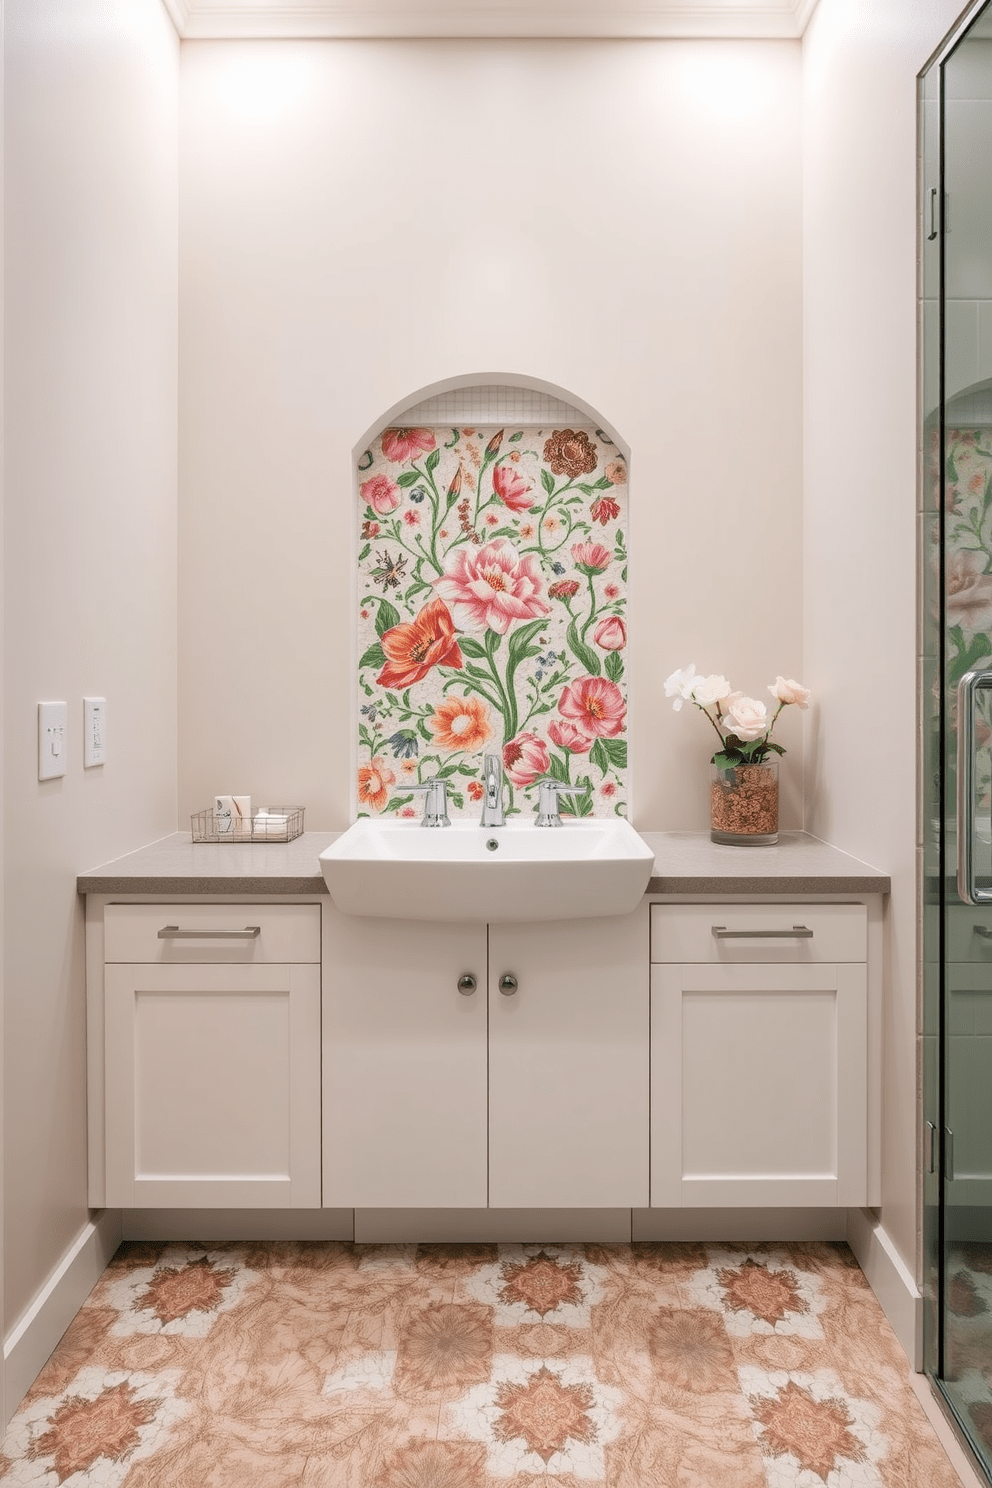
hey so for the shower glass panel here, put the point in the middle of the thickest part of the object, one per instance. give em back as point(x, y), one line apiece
point(956, 701)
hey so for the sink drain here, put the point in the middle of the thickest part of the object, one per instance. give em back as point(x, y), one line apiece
point(492, 843)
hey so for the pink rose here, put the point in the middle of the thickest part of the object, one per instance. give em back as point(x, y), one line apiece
point(525, 758)
point(745, 717)
point(591, 557)
point(490, 587)
point(382, 494)
point(611, 633)
point(787, 690)
point(567, 736)
point(400, 444)
point(512, 489)
point(969, 591)
point(597, 706)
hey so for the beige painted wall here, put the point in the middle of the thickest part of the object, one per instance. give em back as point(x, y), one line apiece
point(860, 60)
point(362, 220)
point(90, 537)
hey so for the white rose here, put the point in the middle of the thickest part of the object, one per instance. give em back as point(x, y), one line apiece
point(789, 691)
point(711, 690)
point(679, 685)
point(745, 717)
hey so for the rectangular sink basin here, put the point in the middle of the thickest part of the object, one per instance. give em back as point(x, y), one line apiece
point(400, 870)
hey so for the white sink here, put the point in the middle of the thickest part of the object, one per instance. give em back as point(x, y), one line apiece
point(401, 870)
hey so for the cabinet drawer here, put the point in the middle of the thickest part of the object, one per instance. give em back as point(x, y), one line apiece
point(286, 933)
point(759, 932)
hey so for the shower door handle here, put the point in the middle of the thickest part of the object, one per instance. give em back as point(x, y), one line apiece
point(971, 684)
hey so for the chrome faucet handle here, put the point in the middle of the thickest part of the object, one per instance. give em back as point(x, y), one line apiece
point(435, 802)
point(549, 790)
point(492, 792)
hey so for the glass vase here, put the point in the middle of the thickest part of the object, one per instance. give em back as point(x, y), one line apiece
point(744, 804)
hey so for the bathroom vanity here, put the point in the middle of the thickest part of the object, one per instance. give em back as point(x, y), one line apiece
point(252, 1047)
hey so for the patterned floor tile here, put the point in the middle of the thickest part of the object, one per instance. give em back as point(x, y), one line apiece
point(292, 1365)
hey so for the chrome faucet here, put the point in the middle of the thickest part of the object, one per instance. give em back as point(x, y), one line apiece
point(492, 792)
point(547, 800)
point(435, 802)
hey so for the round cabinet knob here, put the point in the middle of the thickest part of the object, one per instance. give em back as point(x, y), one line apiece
point(508, 984)
point(467, 984)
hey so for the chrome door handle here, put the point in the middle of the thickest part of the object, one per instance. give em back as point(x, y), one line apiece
point(508, 984)
point(174, 932)
point(467, 984)
point(929, 1147)
point(798, 932)
point(968, 689)
point(933, 215)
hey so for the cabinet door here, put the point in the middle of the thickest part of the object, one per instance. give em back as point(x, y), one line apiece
point(568, 1064)
point(758, 1085)
point(404, 1064)
point(212, 1086)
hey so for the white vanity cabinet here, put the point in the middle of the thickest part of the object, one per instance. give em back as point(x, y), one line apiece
point(251, 1047)
point(531, 1096)
point(759, 1055)
point(211, 1056)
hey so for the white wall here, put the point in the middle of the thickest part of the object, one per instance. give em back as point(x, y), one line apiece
point(361, 220)
point(90, 536)
point(860, 60)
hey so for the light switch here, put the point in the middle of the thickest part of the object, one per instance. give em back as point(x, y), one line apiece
point(52, 723)
point(94, 731)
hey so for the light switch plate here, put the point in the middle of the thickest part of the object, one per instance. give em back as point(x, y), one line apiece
point(52, 724)
point(94, 731)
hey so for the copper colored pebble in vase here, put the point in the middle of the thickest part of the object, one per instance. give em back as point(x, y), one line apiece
point(747, 807)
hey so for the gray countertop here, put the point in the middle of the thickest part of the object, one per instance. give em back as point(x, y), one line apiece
point(684, 863)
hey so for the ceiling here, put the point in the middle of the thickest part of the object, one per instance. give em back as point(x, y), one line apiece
point(213, 19)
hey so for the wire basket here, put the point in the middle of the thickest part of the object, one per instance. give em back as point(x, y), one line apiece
point(204, 826)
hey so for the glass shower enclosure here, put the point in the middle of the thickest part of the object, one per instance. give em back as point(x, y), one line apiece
point(955, 515)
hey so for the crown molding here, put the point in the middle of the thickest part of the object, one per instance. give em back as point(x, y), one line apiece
point(178, 11)
point(551, 19)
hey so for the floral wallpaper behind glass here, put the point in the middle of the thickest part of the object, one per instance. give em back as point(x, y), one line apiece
point(968, 583)
point(492, 594)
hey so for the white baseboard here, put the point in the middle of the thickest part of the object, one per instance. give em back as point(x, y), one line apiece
point(399, 1226)
point(890, 1279)
point(238, 1224)
point(30, 1342)
point(739, 1224)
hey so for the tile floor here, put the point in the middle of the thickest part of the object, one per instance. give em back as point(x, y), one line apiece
point(476, 1366)
point(969, 1336)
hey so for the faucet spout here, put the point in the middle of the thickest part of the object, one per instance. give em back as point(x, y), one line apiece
point(492, 792)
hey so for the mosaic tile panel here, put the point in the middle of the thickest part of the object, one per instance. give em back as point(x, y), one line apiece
point(479, 1366)
point(492, 593)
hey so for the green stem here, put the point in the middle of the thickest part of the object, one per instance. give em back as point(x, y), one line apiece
point(592, 610)
point(509, 703)
point(486, 459)
point(774, 721)
point(707, 714)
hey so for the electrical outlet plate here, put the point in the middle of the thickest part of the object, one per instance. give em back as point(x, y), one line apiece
point(52, 724)
point(94, 731)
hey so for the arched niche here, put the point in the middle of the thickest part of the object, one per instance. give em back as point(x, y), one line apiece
point(491, 590)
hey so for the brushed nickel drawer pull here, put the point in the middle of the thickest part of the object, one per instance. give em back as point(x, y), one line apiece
point(173, 932)
point(798, 932)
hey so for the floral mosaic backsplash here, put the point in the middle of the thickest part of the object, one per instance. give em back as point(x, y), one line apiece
point(492, 616)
